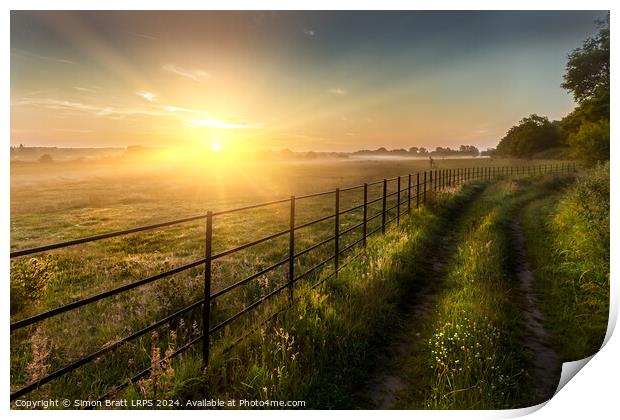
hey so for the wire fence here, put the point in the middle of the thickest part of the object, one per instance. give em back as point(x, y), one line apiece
point(410, 191)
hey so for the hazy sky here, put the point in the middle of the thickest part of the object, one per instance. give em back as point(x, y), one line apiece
point(302, 80)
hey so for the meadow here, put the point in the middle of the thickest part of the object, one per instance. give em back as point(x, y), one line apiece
point(52, 202)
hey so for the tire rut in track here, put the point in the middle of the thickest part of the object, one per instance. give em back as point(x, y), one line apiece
point(383, 388)
point(544, 370)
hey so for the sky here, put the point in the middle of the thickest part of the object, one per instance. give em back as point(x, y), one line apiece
point(323, 81)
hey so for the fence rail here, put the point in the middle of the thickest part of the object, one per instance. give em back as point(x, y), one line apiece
point(424, 183)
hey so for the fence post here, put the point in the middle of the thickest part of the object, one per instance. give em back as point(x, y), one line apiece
point(424, 186)
point(206, 305)
point(417, 190)
point(409, 194)
point(291, 250)
point(398, 202)
point(384, 206)
point(365, 226)
point(337, 231)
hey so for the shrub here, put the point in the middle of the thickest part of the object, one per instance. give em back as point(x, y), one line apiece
point(591, 142)
point(29, 279)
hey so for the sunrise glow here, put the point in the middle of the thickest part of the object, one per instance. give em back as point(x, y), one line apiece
point(334, 81)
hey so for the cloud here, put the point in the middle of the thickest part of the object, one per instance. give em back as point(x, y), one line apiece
point(310, 32)
point(197, 75)
point(100, 111)
point(222, 123)
point(143, 36)
point(193, 117)
point(71, 130)
point(26, 54)
point(227, 123)
point(85, 89)
point(149, 96)
point(170, 108)
point(337, 91)
point(198, 117)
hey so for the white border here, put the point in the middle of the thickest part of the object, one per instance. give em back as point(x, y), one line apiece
point(592, 394)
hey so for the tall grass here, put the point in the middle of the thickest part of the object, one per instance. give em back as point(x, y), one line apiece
point(322, 349)
point(568, 238)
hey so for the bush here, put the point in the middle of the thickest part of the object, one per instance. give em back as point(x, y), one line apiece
point(584, 214)
point(29, 279)
point(591, 142)
point(45, 159)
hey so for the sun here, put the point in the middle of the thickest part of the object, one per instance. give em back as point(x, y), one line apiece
point(216, 147)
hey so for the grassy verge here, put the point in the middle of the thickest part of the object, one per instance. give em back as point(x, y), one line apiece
point(322, 349)
point(568, 248)
point(468, 354)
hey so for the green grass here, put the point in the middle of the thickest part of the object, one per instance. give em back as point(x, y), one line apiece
point(467, 356)
point(568, 240)
point(57, 202)
point(323, 347)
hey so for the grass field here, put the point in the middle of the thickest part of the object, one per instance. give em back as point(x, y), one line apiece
point(54, 202)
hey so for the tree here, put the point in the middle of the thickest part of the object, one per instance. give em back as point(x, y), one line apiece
point(587, 77)
point(591, 142)
point(45, 159)
point(533, 134)
point(587, 70)
point(469, 150)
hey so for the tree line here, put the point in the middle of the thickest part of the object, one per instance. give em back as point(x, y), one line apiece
point(584, 133)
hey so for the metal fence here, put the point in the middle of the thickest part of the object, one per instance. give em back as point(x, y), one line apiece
point(411, 191)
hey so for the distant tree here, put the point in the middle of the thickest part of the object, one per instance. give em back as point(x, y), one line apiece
point(422, 151)
point(45, 158)
point(413, 150)
point(469, 150)
point(21, 146)
point(533, 134)
point(287, 154)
